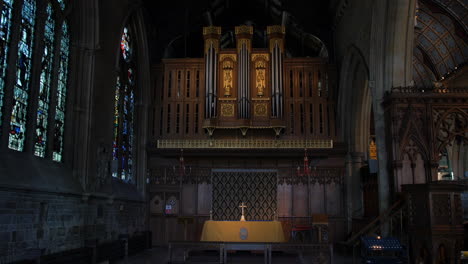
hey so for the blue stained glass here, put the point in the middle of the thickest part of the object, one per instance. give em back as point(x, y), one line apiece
point(23, 75)
point(59, 128)
point(123, 111)
point(45, 85)
point(62, 4)
point(5, 23)
point(115, 148)
point(125, 45)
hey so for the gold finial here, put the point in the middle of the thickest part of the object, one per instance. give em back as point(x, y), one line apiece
point(276, 29)
point(244, 30)
point(211, 30)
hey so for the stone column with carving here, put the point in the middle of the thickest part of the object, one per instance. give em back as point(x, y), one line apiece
point(276, 43)
point(244, 48)
point(211, 36)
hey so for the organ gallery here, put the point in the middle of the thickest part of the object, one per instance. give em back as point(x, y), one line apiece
point(219, 122)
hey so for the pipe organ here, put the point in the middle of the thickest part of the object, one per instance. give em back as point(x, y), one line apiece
point(244, 108)
point(254, 91)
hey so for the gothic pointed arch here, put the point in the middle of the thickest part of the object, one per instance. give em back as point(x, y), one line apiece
point(131, 101)
point(449, 124)
point(355, 100)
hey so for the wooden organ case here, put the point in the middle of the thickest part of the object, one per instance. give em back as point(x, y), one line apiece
point(244, 108)
point(245, 88)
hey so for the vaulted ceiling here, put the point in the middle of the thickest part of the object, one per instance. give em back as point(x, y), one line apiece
point(176, 26)
point(441, 43)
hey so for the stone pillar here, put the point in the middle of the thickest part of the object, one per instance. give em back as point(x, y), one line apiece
point(383, 173)
point(81, 86)
point(354, 205)
point(276, 44)
point(244, 48)
point(431, 167)
point(211, 36)
point(357, 159)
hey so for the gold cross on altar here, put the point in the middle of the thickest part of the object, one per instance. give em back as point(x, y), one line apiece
point(242, 206)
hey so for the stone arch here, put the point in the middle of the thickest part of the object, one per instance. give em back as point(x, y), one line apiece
point(354, 99)
point(354, 102)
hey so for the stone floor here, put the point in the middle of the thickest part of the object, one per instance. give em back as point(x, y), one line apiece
point(159, 255)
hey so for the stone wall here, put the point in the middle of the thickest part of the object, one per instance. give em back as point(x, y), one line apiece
point(34, 221)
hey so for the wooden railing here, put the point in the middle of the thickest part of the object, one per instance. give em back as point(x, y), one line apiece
point(392, 220)
point(429, 90)
point(244, 144)
point(378, 222)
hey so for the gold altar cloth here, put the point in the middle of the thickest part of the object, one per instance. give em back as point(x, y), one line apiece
point(245, 231)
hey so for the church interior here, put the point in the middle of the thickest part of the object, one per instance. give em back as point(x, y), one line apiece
point(234, 131)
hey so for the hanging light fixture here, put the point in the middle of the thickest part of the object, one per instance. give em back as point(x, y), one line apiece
point(182, 169)
point(305, 171)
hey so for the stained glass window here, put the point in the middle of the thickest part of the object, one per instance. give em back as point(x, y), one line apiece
point(124, 108)
point(23, 76)
point(59, 127)
point(62, 4)
point(45, 85)
point(5, 23)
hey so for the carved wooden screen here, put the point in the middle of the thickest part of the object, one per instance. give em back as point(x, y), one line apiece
point(256, 188)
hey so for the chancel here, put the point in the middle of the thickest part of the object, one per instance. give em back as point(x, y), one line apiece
point(326, 131)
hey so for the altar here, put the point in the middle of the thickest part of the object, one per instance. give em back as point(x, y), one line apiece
point(243, 231)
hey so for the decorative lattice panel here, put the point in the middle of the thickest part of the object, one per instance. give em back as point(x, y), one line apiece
point(256, 188)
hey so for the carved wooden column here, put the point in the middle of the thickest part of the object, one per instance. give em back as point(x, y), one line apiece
point(276, 44)
point(211, 36)
point(244, 48)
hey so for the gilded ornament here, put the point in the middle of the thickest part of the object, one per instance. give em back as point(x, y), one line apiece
point(244, 30)
point(260, 81)
point(211, 30)
point(227, 110)
point(227, 65)
point(260, 109)
point(276, 29)
point(211, 42)
point(227, 82)
point(260, 74)
point(244, 144)
point(241, 42)
point(261, 56)
point(225, 56)
point(372, 150)
point(276, 41)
